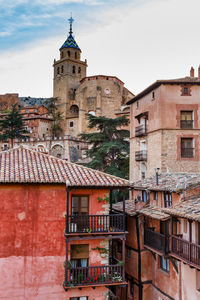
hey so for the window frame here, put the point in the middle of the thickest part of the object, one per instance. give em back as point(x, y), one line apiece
point(164, 264)
point(167, 202)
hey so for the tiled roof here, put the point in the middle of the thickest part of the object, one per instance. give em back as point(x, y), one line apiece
point(129, 207)
point(169, 182)
point(70, 43)
point(154, 212)
point(184, 80)
point(23, 165)
point(188, 208)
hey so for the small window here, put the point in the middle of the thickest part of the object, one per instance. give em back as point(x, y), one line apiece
point(58, 70)
point(79, 298)
point(185, 91)
point(186, 119)
point(79, 70)
point(71, 124)
point(107, 78)
point(155, 195)
point(62, 69)
point(185, 225)
point(164, 264)
point(187, 147)
point(145, 196)
point(128, 253)
point(167, 199)
point(75, 55)
point(68, 53)
point(73, 69)
point(137, 104)
point(153, 95)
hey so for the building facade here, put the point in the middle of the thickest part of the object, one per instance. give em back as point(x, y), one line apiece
point(78, 95)
point(165, 127)
point(57, 227)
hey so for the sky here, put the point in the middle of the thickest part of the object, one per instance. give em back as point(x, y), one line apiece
point(139, 41)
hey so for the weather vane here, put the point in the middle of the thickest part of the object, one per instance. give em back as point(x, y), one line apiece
point(71, 20)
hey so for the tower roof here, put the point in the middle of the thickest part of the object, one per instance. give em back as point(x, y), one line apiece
point(70, 41)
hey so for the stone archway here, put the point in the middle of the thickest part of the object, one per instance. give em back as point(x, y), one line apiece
point(57, 151)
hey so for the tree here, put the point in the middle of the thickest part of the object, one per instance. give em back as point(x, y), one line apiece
point(109, 151)
point(52, 107)
point(12, 126)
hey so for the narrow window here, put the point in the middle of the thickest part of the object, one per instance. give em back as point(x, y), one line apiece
point(186, 119)
point(68, 53)
point(62, 69)
point(58, 70)
point(75, 55)
point(79, 70)
point(128, 253)
point(187, 147)
point(185, 90)
point(153, 95)
point(145, 196)
point(155, 195)
point(167, 199)
point(73, 69)
point(164, 264)
point(71, 124)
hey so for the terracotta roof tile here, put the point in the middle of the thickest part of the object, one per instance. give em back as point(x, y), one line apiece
point(23, 165)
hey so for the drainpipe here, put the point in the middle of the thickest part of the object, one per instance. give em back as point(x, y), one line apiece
point(139, 258)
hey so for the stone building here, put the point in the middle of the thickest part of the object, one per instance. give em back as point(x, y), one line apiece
point(165, 127)
point(79, 95)
point(163, 240)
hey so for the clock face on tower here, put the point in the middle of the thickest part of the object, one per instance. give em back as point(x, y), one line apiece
point(107, 91)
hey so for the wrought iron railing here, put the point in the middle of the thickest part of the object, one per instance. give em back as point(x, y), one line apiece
point(189, 252)
point(141, 130)
point(83, 276)
point(187, 152)
point(186, 124)
point(141, 155)
point(95, 223)
point(157, 241)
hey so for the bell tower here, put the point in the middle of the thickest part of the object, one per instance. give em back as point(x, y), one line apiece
point(68, 71)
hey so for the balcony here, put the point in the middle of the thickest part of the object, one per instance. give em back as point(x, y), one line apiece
point(141, 130)
point(186, 124)
point(141, 155)
point(186, 251)
point(156, 241)
point(93, 276)
point(98, 224)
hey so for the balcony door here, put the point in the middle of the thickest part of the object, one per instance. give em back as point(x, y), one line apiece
point(80, 212)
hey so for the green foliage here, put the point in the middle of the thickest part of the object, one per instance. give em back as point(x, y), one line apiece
point(106, 199)
point(12, 126)
point(101, 250)
point(109, 151)
point(52, 107)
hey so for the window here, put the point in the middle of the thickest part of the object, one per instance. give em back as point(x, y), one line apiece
point(80, 205)
point(58, 70)
point(187, 147)
point(68, 53)
point(164, 264)
point(143, 171)
point(74, 109)
point(145, 196)
point(79, 70)
point(167, 199)
point(71, 124)
point(62, 69)
point(137, 104)
point(75, 55)
point(198, 280)
point(155, 195)
point(79, 255)
point(119, 247)
point(128, 253)
point(185, 91)
point(153, 95)
point(186, 119)
point(62, 54)
point(73, 69)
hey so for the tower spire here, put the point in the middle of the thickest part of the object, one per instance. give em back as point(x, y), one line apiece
point(71, 20)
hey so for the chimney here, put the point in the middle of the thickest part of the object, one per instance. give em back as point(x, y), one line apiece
point(192, 72)
point(199, 72)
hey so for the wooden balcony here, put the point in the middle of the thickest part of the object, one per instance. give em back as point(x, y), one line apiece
point(186, 124)
point(141, 155)
point(95, 224)
point(186, 251)
point(141, 130)
point(93, 276)
point(156, 241)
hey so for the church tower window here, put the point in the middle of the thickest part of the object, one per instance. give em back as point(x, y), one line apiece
point(68, 53)
point(73, 69)
point(75, 55)
point(79, 70)
point(62, 69)
point(58, 70)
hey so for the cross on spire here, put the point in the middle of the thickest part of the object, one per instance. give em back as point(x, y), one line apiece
point(71, 20)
